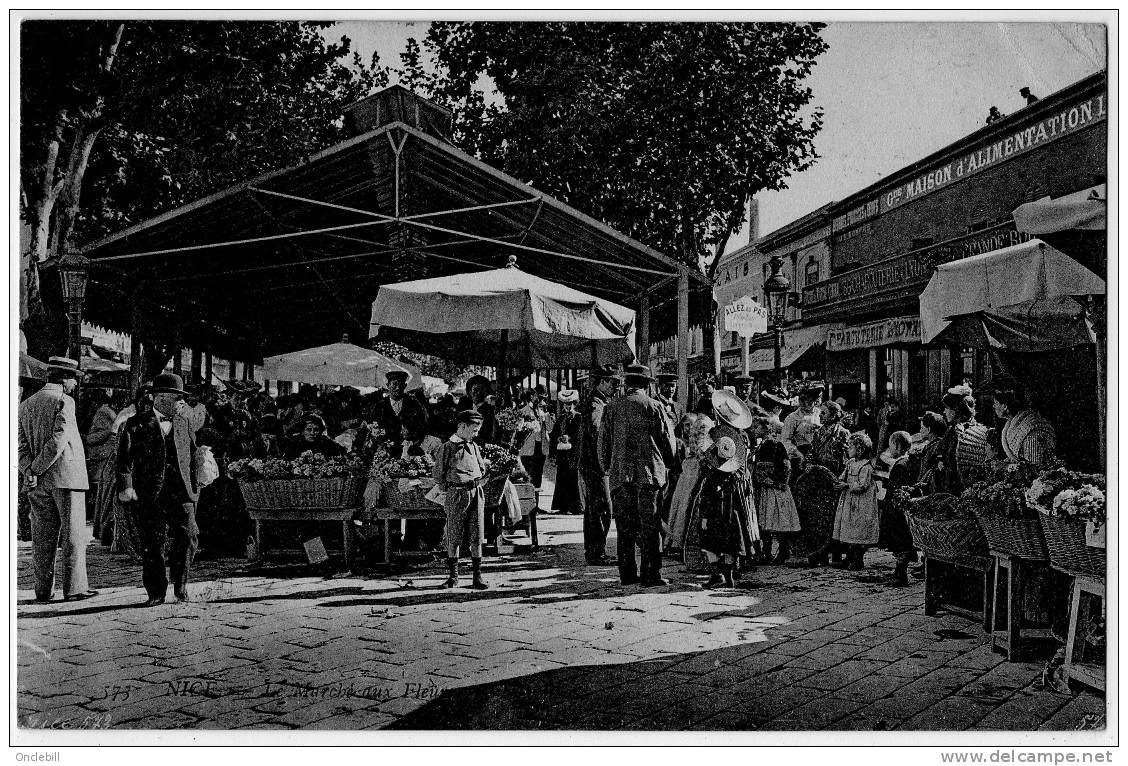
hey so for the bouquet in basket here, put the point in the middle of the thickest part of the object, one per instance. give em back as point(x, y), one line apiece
point(938, 507)
point(1005, 493)
point(512, 419)
point(500, 461)
point(1069, 494)
point(418, 467)
point(308, 465)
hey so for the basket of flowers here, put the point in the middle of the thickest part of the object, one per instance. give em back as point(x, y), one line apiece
point(1073, 515)
point(310, 480)
point(406, 482)
point(1010, 524)
point(512, 423)
point(942, 526)
point(501, 465)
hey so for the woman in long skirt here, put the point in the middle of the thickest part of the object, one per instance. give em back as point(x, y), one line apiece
point(695, 433)
point(562, 445)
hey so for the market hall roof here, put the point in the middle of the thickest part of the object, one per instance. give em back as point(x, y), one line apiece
point(295, 257)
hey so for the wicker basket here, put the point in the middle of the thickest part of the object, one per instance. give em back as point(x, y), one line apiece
point(1065, 544)
point(415, 499)
point(1017, 537)
point(956, 538)
point(277, 494)
point(493, 489)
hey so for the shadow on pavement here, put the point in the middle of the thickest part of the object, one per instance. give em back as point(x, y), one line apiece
point(596, 698)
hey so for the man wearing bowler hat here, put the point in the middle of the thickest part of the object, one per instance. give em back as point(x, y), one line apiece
point(636, 443)
point(156, 479)
point(53, 465)
point(595, 492)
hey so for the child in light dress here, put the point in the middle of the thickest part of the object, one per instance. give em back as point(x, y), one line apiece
point(857, 522)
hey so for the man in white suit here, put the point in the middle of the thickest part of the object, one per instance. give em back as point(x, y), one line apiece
point(53, 465)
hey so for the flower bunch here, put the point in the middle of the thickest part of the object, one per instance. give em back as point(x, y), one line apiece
point(1086, 503)
point(499, 460)
point(938, 507)
point(512, 419)
point(308, 465)
point(998, 498)
point(1044, 490)
point(417, 467)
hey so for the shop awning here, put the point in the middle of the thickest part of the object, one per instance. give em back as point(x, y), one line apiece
point(1086, 210)
point(796, 343)
point(1027, 297)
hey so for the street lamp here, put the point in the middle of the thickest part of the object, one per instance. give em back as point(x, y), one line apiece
point(74, 273)
point(776, 289)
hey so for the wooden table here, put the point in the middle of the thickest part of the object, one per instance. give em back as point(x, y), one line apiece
point(1009, 631)
point(343, 515)
point(936, 594)
point(1090, 674)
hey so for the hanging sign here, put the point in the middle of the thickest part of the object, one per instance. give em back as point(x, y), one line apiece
point(746, 317)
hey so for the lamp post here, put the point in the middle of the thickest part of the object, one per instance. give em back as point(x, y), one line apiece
point(776, 288)
point(74, 273)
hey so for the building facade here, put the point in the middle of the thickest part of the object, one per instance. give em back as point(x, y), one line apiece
point(958, 202)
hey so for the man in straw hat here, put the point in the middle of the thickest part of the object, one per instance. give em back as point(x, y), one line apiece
point(636, 443)
point(53, 465)
point(156, 478)
point(595, 491)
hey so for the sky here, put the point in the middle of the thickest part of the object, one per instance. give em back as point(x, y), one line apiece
point(891, 93)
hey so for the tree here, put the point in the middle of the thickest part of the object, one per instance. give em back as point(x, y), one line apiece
point(122, 120)
point(663, 131)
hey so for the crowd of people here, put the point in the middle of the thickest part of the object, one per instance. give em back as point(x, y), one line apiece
point(745, 480)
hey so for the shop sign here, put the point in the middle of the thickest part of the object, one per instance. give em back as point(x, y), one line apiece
point(746, 317)
point(995, 239)
point(893, 273)
point(883, 333)
point(1066, 121)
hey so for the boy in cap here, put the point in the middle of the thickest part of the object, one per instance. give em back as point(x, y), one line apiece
point(460, 472)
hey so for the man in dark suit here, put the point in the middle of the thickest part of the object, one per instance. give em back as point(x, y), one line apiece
point(53, 465)
point(667, 389)
point(396, 408)
point(155, 477)
point(636, 443)
point(476, 399)
point(595, 492)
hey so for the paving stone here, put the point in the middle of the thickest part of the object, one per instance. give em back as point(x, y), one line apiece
point(814, 715)
point(826, 656)
point(842, 674)
point(778, 702)
point(871, 688)
point(917, 664)
point(1027, 705)
point(949, 714)
point(1070, 716)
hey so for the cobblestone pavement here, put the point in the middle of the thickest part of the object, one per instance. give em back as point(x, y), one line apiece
point(552, 644)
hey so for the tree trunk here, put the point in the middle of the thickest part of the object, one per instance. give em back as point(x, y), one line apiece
point(709, 328)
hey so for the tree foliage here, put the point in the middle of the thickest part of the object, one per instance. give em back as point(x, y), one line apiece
point(664, 131)
point(122, 120)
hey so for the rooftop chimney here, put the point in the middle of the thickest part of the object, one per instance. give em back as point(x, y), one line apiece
point(753, 220)
point(398, 104)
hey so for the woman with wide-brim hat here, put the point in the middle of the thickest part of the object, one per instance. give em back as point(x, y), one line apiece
point(721, 509)
point(563, 442)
